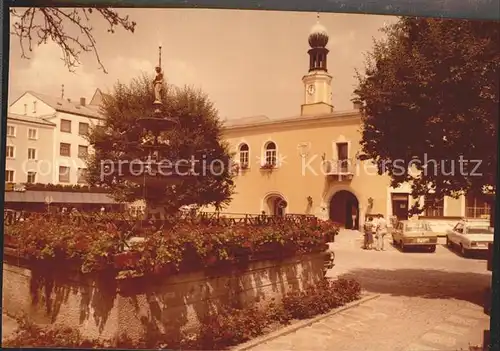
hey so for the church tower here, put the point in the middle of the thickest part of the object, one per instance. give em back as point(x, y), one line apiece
point(317, 83)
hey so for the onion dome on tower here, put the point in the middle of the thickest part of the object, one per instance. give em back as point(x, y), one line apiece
point(318, 39)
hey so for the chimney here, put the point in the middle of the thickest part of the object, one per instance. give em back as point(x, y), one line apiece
point(82, 101)
point(357, 105)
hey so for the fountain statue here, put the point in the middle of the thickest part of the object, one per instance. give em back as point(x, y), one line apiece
point(154, 171)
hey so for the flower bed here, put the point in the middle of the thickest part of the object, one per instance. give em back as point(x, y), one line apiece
point(186, 246)
point(218, 330)
point(93, 278)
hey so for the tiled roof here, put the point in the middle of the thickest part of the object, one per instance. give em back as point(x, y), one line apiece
point(246, 121)
point(264, 120)
point(29, 119)
point(63, 105)
point(97, 98)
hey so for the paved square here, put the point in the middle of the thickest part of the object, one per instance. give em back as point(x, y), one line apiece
point(429, 301)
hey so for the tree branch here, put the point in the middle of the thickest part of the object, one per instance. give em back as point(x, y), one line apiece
point(52, 24)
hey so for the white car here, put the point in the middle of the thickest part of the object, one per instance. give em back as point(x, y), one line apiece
point(470, 235)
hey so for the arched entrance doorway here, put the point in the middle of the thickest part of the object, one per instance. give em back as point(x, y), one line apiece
point(344, 209)
point(276, 205)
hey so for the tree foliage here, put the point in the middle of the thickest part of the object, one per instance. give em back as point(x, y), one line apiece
point(37, 25)
point(198, 136)
point(429, 98)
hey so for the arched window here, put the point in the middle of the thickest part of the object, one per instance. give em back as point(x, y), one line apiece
point(244, 151)
point(270, 154)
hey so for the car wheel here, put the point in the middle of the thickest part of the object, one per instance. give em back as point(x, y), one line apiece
point(402, 246)
point(464, 251)
point(448, 242)
point(432, 248)
point(394, 242)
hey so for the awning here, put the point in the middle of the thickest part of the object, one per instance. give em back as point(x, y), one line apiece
point(34, 196)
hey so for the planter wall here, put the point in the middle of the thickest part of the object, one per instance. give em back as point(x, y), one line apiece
point(105, 307)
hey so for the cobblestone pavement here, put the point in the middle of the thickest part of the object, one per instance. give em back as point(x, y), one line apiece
point(429, 301)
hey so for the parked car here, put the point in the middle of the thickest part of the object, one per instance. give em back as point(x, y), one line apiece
point(414, 233)
point(470, 235)
point(440, 227)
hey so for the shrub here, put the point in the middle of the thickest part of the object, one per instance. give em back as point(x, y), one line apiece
point(218, 330)
point(320, 298)
point(231, 326)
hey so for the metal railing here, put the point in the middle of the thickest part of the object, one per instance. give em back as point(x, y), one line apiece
point(477, 212)
point(125, 220)
point(340, 167)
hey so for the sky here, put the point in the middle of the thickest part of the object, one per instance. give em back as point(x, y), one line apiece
point(248, 62)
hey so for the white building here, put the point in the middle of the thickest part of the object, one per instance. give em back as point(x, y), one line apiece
point(46, 138)
point(29, 149)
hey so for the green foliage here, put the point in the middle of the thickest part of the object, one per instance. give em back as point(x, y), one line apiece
point(97, 246)
point(198, 136)
point(430, 92)
point(320, 298)
point(218, 330)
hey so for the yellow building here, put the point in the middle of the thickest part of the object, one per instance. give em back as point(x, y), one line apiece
point(307, 164)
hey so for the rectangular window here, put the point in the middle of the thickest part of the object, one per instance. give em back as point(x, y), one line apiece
point(31, 154)
point(9, 176)
point(83, 128)
point(31, 178)
point(9, 152)
point(32, 133)
point(34, 106)
point(82, 175)
point(477, 207)
point(65, 126)
point(83, 151)
point(64, 174)
point(65, 149)
point(11, 131)
point(434, 207)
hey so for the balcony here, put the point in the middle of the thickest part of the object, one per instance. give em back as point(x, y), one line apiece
point(341, 168)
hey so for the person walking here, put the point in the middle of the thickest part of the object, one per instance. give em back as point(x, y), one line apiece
point(381, 232)
point(368, 233)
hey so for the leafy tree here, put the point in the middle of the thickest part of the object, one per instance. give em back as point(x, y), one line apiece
point(198, 136)
point(429, 97)
point(37, 25)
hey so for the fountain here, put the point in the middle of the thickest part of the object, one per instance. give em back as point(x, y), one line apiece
point(155, 168)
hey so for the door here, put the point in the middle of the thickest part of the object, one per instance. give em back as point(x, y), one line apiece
point(400, 206)
point(342, 153)
point(457, 235)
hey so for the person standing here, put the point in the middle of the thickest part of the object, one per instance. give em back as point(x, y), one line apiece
point(381, 232)
point(374, 231)
point(354, 215)
point(368, 233)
